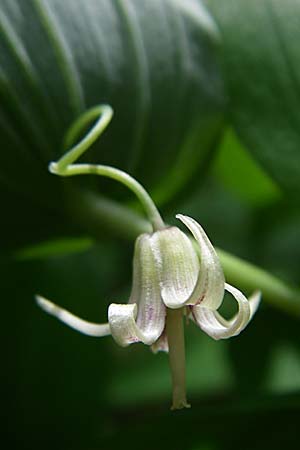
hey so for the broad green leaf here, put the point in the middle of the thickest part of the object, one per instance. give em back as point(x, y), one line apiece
point(261, 64)
point(153, 62)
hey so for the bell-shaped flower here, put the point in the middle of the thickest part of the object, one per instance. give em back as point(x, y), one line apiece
point(172, 276)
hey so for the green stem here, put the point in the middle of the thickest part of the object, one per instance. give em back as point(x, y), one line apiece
point(118, 175)
point(65, 167)
point(175, 334)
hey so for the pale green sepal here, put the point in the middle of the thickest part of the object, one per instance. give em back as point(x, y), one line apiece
point(88, 328)
point(143, 318)
point(178, 265)
point(219, 328)
point(151, 311)
point(209, 289)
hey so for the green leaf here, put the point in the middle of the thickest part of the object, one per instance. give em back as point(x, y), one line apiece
point(153, 62)
point(261, 65)
point(61, 246)
point(238, 171)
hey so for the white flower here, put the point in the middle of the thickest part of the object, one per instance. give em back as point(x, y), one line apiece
point(169, 273)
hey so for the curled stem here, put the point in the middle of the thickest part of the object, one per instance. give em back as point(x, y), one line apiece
point(65, 167)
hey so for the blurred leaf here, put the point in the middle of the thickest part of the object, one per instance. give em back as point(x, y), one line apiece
point(24, 222)
point(266, 356)
point(56, 247)
point(225, 217)
point(284, 369)
point(250, 353)
point(153, 62)
point(261, 65)
point(241, 174)
point(258, 423)
point(276, 231)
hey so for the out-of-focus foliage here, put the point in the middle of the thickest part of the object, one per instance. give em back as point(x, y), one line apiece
point(66, 390)
point(241, 174)
point(261, 62)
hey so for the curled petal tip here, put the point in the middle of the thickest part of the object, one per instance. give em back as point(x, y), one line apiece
point(108, 109)
point(219, 328)
point(45, 304)
point(125, 329)
point(53, 167)
point(209, 289)
point(254, 302)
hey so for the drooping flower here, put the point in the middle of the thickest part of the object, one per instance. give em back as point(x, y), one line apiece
point(171, 277)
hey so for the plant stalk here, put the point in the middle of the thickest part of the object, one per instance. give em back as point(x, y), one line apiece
point(175, 335)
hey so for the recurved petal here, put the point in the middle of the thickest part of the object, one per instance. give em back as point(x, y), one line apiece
point(209, 289)
point(178, 265)
point(124, 328)
point(88, 328)
point(219, 328)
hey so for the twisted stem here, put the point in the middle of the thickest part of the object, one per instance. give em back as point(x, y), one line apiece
point(65, 167)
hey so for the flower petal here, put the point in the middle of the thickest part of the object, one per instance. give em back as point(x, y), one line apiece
point(91, 329)
point(124, 328)
point(145, 304)
point(219, 328)
point(209, 289)
point(145, 292)
point(178, 265)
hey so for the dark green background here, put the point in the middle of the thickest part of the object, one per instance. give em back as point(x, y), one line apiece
point(214, 120)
